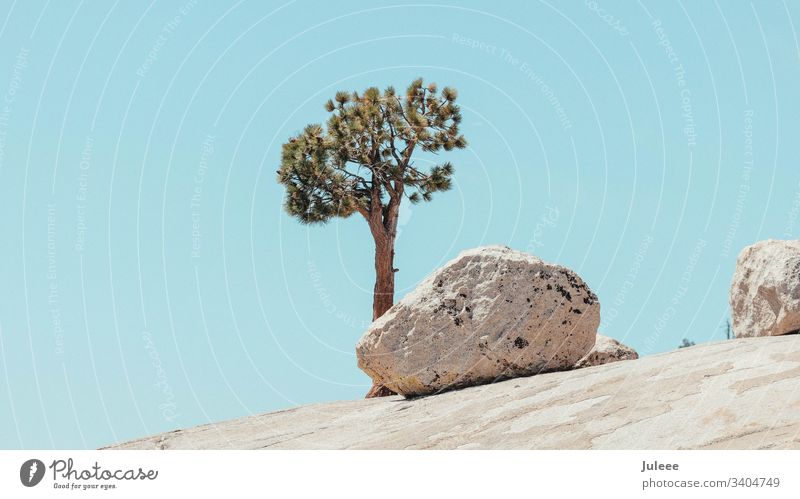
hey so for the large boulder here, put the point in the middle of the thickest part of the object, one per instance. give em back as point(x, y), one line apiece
point(765, 293)
point(489, 314)
point(605, 351)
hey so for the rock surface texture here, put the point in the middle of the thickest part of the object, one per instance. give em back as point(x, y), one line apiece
point(765, 293)
point(737, 394)
point(491, 313)
point(606, 350)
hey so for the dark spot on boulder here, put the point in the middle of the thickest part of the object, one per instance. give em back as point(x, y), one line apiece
point(520, 342)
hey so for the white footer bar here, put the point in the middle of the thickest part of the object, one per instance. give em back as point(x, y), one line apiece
point(401, 474)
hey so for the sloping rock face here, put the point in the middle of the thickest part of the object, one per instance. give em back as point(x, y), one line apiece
point(607, 350)
point(737, 394)
point(491, 313)
point(765, 293)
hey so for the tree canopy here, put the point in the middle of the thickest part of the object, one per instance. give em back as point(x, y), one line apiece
point(361, 161)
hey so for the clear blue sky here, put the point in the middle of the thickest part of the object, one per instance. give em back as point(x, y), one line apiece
point(150, 279)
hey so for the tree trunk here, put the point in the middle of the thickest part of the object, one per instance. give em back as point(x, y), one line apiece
point(378, 391)
point(384, 230)
point(383, 296)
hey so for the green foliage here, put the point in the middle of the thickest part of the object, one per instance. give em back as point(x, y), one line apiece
point(364, 152)
point(686, 343)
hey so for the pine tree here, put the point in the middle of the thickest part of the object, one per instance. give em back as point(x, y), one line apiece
point(361, 162)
